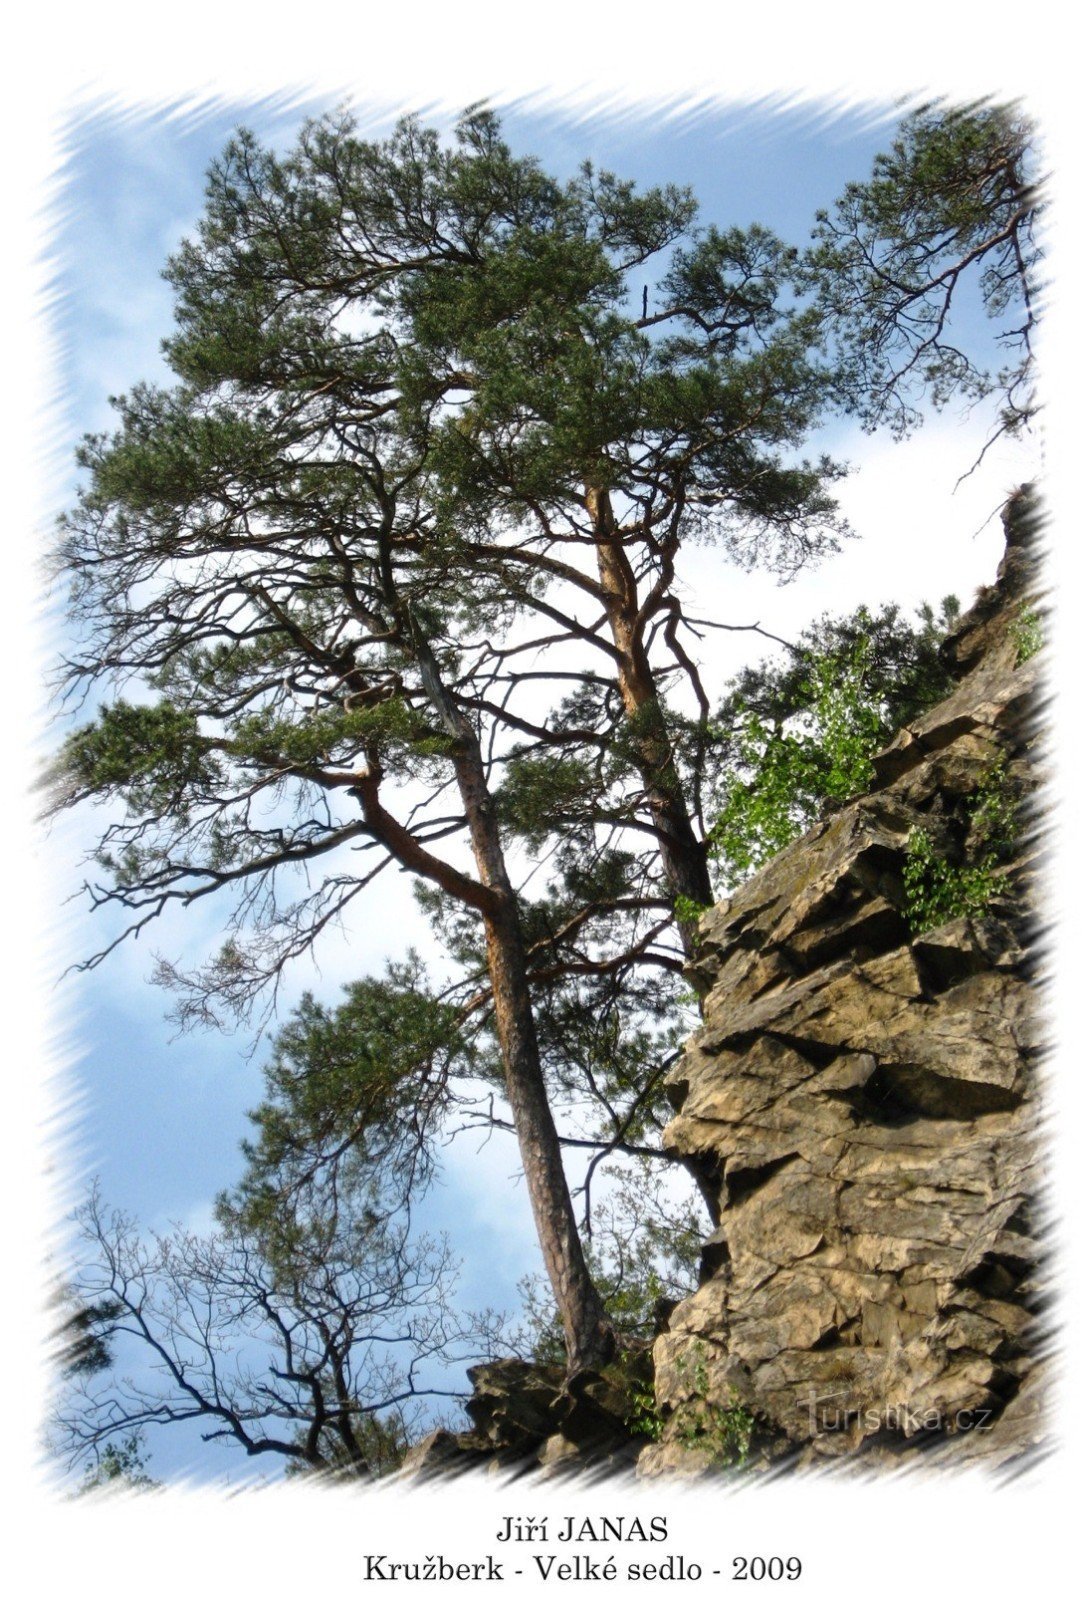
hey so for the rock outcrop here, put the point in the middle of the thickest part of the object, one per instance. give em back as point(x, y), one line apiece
point(863, 1098)
point(530, 1416)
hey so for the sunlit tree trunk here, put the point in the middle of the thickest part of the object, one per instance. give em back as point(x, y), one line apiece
point(587, 1333)
point(683, 856)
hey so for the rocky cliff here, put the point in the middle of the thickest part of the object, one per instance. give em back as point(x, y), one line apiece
point(863, 1097)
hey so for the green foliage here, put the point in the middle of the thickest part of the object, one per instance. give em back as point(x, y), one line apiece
point(84, 1335)
point(994, 812)
point(1027, 633)
point(938, 889)
point(151, 755)
point(903, 669)
point(118, 1467)
point(797, 739)
point(349, 1087)
point(946, 219)
point(644, 1417)
point(787, 776)
point(688, 911)
point(541, 793)
point(724, 1432)
point(403, 740)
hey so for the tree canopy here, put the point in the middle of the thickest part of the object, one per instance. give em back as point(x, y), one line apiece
point(949, 216)
point(417, 417)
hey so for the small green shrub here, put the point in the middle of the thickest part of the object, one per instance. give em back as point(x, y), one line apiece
point(688, 911)
point(724, 1431)
point(786, 776)
point(939, 890)
point(644, 1417)
point(794, 739)
point(1027, 634)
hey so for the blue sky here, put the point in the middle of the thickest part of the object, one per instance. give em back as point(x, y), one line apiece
point(163, 1116)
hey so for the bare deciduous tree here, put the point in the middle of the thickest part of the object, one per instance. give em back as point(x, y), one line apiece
point(321, 1339)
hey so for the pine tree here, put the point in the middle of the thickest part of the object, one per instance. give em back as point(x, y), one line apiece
point(429, 420)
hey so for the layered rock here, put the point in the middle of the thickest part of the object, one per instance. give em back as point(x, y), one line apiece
point(862, 1097)
point(532, 1416)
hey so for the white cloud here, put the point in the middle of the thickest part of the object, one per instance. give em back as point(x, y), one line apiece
point(916, 541)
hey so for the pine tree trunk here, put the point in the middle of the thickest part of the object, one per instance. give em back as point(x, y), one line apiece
point(588, 1337)
point(587, 1332)
point(683, 856)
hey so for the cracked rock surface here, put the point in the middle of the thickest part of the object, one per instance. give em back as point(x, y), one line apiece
point(862, 1097)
